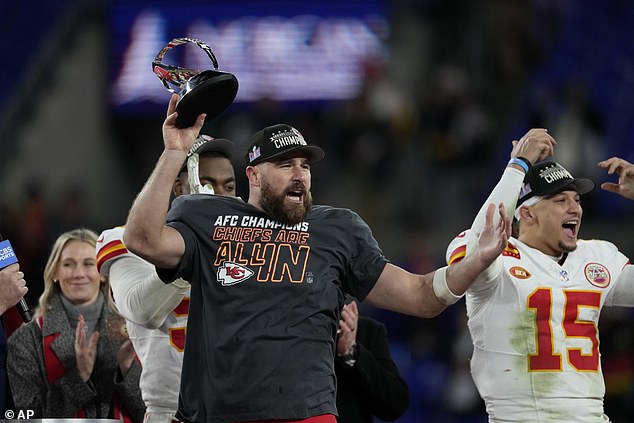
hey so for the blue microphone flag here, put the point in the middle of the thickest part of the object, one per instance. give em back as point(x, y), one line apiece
point(7, 255)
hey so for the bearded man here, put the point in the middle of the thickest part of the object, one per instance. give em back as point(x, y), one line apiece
point(269, 277)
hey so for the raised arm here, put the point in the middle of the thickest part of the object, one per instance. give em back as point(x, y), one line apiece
point(428, 295)
point(146, 233)
point(536, 145)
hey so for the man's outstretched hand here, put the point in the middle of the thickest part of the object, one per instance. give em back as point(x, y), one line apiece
point(494, 236)
point(625, 170)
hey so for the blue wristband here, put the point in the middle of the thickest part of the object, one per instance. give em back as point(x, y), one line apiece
point(519, 162)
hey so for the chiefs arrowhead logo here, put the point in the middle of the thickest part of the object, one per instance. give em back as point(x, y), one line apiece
point(597, 274)
point(232, 273)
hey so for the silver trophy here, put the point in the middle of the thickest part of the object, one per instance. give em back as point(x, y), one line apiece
point(209, 91)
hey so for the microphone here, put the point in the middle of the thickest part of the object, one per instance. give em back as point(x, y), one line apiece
point(7, 258)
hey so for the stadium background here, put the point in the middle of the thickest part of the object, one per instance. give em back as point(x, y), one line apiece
point(416, 134)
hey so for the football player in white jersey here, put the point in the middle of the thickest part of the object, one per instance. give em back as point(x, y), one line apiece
point(534, 313)
point(156, 312)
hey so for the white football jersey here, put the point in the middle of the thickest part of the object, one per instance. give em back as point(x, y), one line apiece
point(159, 349)
point(535, 332)
point(161, 354)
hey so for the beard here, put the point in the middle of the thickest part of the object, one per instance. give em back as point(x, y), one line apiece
point(273, 203)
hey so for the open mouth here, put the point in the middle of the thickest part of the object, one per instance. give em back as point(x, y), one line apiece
point(570, 228)
point(295, 196)
point(295, 193)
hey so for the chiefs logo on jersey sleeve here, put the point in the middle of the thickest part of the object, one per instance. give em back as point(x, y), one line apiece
point(232, 273)
point(511, 251)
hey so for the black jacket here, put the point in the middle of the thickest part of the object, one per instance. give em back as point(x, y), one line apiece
point(373, 386)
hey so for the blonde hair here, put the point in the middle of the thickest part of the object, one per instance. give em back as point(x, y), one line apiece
point(52, 264)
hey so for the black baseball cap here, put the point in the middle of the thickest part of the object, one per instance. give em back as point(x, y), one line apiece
point(279, 140)
point(206, 144)
point(547, 178)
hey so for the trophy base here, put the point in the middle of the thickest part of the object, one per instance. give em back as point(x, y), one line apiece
point(209, 92)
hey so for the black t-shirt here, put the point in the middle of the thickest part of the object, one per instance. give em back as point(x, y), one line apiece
point(264, 306)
